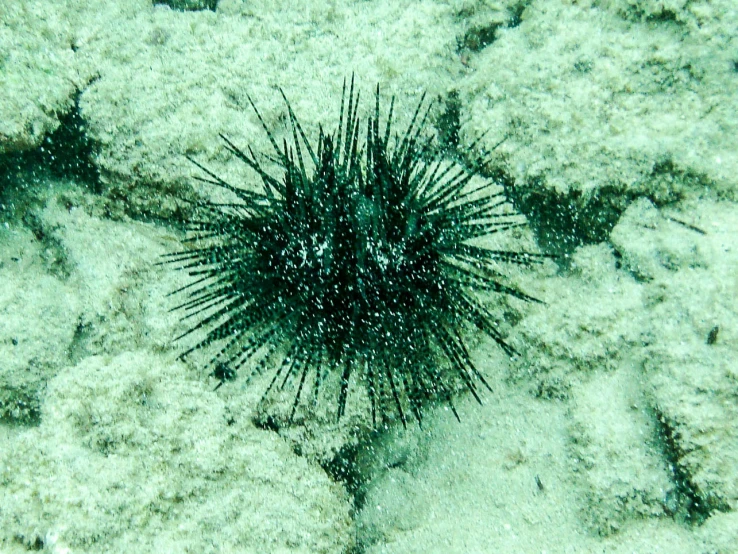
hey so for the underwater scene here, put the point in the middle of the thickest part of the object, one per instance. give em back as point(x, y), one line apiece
point(368, 276)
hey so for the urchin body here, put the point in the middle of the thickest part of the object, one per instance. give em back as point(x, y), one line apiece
point(355, 263)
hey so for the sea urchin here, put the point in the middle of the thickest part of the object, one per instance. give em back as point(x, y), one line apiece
point(354, 265)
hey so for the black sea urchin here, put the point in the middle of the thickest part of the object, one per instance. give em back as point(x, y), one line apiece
point(355, 264)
